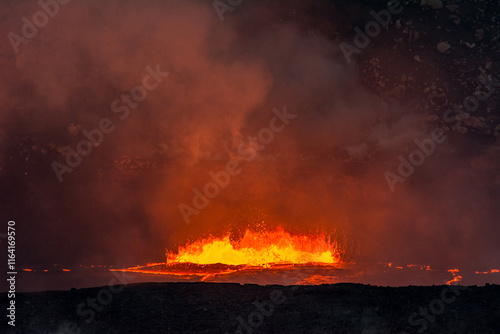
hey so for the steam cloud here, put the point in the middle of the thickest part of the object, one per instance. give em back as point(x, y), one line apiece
point(325, 170)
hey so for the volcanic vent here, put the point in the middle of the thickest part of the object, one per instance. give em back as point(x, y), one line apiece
point(263, 257)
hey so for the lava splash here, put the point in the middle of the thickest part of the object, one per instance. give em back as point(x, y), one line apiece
point(259, 249)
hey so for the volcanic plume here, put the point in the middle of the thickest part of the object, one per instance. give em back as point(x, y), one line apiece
point(323, 171)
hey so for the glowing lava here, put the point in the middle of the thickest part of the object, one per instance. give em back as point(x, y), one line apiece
point(259, 249)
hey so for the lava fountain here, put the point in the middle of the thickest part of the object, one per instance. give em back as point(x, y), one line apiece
point(262, 257)
point(281, 257)
point(259, 249)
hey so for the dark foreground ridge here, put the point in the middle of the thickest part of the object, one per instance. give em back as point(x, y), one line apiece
point(235, 308)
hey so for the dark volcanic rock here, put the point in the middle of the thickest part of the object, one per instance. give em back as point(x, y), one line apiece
point(220, 308)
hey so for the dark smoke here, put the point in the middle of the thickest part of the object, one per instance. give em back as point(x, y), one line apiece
point(325, 170)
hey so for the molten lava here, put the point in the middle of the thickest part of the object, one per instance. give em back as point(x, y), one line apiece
point(259, 249)
point(280, 257)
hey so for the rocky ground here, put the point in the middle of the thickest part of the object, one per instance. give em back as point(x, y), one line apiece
point(227, 308)
point(430, 57)
point(433, 56)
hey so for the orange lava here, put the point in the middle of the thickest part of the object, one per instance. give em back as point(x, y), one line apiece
point(492, 271)
point(259, 249)
point(456, 276)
